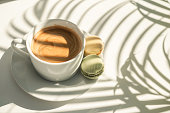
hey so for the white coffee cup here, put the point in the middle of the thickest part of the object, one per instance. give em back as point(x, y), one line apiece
point(51, 71)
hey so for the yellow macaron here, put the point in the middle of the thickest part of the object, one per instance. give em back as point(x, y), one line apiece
point(94, 46)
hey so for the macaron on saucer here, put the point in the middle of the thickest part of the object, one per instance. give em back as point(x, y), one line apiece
point(94, 45)
point(92, 66)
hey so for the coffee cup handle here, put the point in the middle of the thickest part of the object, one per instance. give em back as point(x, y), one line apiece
point(18, 50)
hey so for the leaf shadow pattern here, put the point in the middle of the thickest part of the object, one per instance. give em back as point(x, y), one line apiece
point(5, 1)
point(127, 84)
point(135, 75)
point(157, 4)
point(29, 18)
point(2, 49)
point(164, 51)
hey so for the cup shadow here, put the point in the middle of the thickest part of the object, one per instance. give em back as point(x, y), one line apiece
point(11, 93)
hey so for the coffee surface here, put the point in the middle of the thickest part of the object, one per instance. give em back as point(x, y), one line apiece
point(56, 44)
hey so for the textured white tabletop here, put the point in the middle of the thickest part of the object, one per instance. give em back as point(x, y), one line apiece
point(137, 67)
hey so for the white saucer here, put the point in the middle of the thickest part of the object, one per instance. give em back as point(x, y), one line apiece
point(29, 80)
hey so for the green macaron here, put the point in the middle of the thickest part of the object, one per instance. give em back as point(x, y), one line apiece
point(92, 66)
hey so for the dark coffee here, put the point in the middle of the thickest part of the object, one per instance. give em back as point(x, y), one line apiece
point(56, 44)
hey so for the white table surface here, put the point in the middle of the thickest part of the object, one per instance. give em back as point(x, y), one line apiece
point(137, 73)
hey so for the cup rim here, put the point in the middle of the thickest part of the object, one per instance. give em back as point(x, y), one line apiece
point(50, 63)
